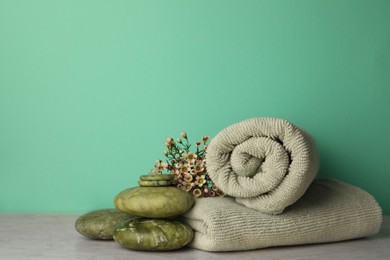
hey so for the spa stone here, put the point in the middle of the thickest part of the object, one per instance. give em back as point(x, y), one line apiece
point(155, 183)
point(101, 224)
point(154, 202)
point(156, 177)
point(153, 234)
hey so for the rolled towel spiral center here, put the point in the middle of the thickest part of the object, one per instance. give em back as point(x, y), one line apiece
point(260, 157)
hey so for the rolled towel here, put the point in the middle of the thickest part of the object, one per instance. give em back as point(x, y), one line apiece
point(329, 211)
point(265, 163)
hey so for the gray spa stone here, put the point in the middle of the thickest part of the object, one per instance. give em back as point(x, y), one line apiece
point(101, 224)
point(153, 234)
point(154, 202)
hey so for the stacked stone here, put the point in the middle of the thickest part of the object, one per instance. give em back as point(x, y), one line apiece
point(144, 218)
point(101, 224)
point(156, 202)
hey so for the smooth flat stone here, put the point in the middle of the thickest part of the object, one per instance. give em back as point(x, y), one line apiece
point(101, 224)
point(153, 234)
point(155, 183)
point(156, 177)
point(154, 202)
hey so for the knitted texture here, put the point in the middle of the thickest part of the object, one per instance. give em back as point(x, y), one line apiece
point(329, 211)
point(265, 163)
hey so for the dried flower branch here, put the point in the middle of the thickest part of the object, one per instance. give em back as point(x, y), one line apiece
point(188, 168)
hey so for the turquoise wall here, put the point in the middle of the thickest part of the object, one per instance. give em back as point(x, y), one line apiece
point(90, 89)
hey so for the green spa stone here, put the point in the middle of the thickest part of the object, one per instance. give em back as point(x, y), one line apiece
point(154, 183)
point(153, 234)
point(154, 202)
point(156, 177)
point(101, 224)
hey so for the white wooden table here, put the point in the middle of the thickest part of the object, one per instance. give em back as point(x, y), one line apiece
point(52, 236)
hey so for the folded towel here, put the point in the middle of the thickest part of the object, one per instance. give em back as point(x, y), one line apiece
point(329, 211)
point(266, 163)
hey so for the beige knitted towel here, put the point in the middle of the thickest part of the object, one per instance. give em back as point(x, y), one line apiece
point(265, 163)
point(329, 211)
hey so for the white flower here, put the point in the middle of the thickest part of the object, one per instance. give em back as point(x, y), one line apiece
point(193, 171)
point(199, 166)
point(176, 176)
point(188, 178)
point(159, 166)
point(185, 168)
point(190, 157)
point(178, 165)
point(197, 192)
point(200, 180)
point(175, 171)
point(188, 187)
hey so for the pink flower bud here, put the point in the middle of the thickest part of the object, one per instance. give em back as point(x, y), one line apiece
point(183, 134)
point(165, 152)
point(197, 143)
point(179, 140)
